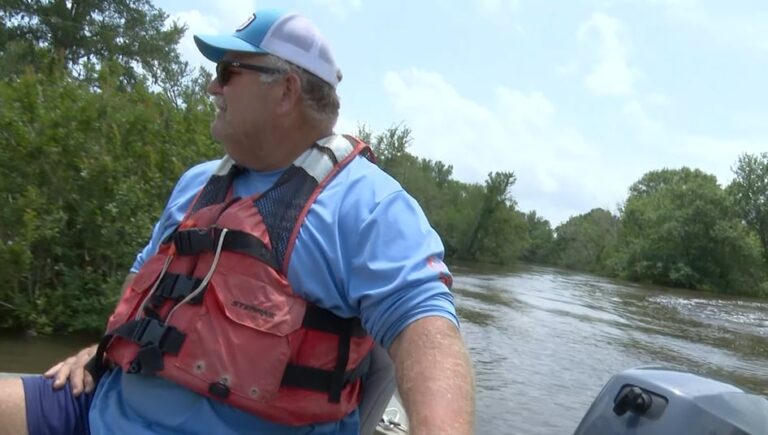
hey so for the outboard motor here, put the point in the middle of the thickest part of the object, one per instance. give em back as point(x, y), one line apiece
point(652, 401)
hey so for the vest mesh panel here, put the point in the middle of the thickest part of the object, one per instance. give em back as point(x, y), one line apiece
point(215, 190)
point(290, 197)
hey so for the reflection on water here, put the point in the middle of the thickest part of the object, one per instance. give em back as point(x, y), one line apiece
point(24, 354)
point(488, 295)
point(545, 341)
point(550, 340)
point(480, 318)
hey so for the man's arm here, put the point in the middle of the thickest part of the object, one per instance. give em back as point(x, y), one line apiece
point(434, 377)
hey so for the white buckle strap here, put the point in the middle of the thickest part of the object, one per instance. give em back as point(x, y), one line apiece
point(339, 145)
point(225, 165)
point(317, 163)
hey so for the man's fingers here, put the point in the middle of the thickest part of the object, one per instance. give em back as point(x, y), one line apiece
point(61, 376)
point(52, 371)
point(63, 373)
point(72, 369)
point(76, 380)
point(88, 383)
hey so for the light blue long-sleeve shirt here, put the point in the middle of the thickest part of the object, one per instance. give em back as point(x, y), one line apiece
point(365, 250)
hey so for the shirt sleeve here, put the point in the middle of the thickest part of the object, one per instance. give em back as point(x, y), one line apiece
point(396, 273)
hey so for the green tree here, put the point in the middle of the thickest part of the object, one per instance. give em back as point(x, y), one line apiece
point(476, 222)
point(498, 233)
point(541, 238)
point(585, 242)
point(677, 229)
point(749, 193)
point(75, 35)
point(83, 176)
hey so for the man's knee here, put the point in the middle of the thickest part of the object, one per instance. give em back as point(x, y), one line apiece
point(45, 410)
point(13, 415)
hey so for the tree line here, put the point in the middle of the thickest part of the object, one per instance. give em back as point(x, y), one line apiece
point(99, 117)
point(676, 228)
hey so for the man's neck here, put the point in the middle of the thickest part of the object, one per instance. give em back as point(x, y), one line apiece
point(288, 146)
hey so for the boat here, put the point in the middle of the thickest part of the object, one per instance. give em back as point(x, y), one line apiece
point(394, 421)
point(648, 401)
point(660, 401)
point(652, 401)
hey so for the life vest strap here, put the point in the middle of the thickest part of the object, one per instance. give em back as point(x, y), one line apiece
point(154, 338)
point(194, 241)
point(333, 381)
point(150, 332)
point(321, 319)
point(311, 378)
point(342, 359)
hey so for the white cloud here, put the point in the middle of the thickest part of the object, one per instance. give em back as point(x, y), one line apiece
point(715, 155)
point(562, 169)
point(232, 13)
point(340, 8)
point(216, 19)
point(558, 170)
point(345, 125)
point(196, 22)
point(648, 128)
point(612, 76)
point(665, 146)
point(533, 109)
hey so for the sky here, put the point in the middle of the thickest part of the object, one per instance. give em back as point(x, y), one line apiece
point(578, 98)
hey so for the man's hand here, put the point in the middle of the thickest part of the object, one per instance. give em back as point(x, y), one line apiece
point(434, 378)
point(73, 369)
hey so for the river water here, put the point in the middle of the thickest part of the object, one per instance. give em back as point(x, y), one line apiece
point(545, 341)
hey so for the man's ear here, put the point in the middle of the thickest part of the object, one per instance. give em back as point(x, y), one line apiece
point(291, 93)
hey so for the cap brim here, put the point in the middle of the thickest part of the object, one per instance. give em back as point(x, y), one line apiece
point(214, 47)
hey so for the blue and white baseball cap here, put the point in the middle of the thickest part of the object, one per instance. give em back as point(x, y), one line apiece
point(286, 35)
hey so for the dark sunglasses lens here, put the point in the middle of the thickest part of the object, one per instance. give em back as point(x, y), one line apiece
point(223, 73)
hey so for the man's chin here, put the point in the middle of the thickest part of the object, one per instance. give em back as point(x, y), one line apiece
point(216, 131)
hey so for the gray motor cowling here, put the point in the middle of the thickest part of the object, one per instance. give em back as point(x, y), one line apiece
point(653, 401)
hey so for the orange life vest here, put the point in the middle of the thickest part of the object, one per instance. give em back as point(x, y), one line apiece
point(214, 312)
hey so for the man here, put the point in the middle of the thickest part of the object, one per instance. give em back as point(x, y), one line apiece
point(239, 315)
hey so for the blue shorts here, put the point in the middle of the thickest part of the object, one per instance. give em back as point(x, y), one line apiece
point(52, 411)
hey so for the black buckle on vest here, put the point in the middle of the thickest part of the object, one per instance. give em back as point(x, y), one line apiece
point(155, 340)
point(151, 333)
point(148, 332)
point(148, 361)
point(193, 241)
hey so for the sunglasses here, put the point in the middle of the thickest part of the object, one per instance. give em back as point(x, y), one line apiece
point(226, 68)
